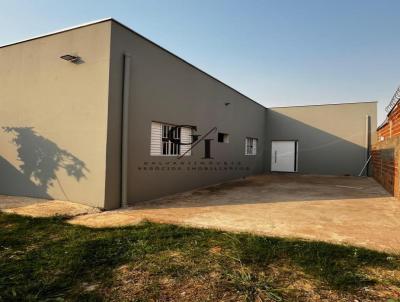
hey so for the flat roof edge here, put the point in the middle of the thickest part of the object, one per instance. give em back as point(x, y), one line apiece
point(329, 104)
point(176, 56)
point(57, 32)
point(131, 30)
point(184, 61)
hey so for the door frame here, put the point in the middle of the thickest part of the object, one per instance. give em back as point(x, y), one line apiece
point(296, 155)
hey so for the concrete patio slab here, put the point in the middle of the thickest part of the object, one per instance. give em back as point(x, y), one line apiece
point(351, 210)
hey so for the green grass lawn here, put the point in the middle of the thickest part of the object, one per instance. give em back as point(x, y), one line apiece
point(50, 260)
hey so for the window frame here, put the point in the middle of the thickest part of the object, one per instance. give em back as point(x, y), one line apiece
point(252, 143)
point(160, 146)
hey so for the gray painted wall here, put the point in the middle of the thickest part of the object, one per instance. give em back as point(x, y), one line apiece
point(332, 138)
point(166, 89)
point(60, 135)
point(53, 116)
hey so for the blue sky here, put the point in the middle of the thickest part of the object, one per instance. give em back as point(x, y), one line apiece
point(279, 53)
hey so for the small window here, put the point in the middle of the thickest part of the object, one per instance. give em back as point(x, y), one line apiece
point(223, 137)
point(251, 146)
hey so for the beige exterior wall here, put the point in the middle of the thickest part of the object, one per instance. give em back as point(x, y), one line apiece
point(53, 116)
point(331, 138)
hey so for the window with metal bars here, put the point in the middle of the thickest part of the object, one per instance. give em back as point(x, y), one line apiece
point(250, 146)
point(161, 145)
point(168, 147)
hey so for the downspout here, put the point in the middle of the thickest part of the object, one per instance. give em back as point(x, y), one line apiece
point(125, 125)
point(367, 141)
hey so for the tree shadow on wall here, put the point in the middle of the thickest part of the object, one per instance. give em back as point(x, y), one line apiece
point(41, 159)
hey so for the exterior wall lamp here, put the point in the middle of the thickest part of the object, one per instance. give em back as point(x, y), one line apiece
point(72, 59)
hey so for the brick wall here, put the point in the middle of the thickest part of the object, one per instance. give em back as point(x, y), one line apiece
point(386, 153)
point(385, 164)
point(392, 127)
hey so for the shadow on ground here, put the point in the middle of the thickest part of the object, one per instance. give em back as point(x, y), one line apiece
point(71, 262)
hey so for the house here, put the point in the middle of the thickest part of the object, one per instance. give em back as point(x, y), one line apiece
point(98, 114)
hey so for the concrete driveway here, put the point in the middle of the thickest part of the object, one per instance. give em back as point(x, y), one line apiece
point(350, 210)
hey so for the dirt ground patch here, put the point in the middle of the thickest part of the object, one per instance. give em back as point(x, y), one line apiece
point(352, 210)
point(43, 208)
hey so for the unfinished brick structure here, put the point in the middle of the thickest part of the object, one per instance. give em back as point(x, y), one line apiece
point(385, 153)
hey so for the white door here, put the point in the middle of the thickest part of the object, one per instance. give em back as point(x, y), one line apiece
point(284, 156)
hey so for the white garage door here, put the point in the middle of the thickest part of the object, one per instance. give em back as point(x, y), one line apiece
point(284, 156)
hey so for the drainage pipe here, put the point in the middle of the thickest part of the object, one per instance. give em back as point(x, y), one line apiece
point(367, 135)
point(367, 143)
point(125, 124)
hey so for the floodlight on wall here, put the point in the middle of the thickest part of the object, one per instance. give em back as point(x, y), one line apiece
point(72, 59)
